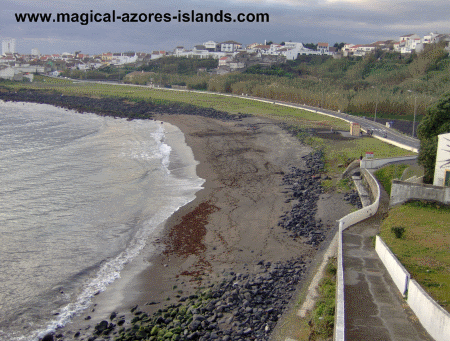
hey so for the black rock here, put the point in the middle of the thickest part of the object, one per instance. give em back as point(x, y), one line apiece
point(48, 337)
point(101, 327)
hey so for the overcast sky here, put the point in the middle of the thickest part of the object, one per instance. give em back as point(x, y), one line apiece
point(352, 21)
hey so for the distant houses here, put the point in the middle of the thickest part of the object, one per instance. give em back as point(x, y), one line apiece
point(231, 55)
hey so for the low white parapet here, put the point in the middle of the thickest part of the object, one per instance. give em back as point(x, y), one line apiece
point(431, 315)
point(339, 322)
point(345, 222)
point(378, 163)
point(397, 271)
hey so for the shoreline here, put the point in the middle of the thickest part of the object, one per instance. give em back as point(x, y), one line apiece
point(233, 222)
point(175, 272)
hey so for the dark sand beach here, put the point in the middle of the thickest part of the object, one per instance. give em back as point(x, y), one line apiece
point(231, 228)
point(232, 225)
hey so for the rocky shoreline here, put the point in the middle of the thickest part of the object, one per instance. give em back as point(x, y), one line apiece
point(244, 306)
point(116, 107)
point(305, 189)
point(240, 306)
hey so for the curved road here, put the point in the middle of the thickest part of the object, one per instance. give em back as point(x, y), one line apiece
point(380, 131)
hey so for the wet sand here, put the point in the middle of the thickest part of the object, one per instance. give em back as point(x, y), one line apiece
point(230, 226)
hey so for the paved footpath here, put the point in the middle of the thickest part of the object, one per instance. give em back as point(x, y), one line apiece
point(374, 308)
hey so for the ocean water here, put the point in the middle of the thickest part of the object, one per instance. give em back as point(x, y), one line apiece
point(80, 197)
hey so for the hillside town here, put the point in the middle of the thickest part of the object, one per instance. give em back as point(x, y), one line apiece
point(231, 55)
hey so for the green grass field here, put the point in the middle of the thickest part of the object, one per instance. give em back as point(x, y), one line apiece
point(229, 104)
point(424, 247)
point(336, 152)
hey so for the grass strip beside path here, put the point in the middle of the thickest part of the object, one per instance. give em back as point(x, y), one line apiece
point(386, 174)
point(424, 246)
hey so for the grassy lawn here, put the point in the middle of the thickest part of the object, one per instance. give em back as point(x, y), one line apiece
point(339, 154)
point(424, 247)
point(386, 174)
point(229, 104)
point(322, 322)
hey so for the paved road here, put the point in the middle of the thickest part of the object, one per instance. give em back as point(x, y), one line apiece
point(379, 130)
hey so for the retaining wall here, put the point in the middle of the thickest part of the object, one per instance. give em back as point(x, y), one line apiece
point(344, 223)
point(397, 144)
point(433, 317)
point(377, 163)
point(368, 211)
point(402, 191)
point(397, 271)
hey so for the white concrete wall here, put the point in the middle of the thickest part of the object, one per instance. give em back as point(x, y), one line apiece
point(339, 320)
point(402, 191)
point(377, 163)
point(345, 222)
point(442, 159)
point(432, 316)
point(397, 144)
point(368, 211)
point(397, 271)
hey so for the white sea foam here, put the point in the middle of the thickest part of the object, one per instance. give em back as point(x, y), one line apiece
point(101, 162)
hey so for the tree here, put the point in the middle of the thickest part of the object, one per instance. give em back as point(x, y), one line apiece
point(339, 46)
point(435, 122)
point(311, 46)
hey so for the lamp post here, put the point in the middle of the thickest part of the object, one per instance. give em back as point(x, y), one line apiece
point(415, 111)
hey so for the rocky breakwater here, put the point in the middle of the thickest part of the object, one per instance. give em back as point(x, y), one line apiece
point(116, 107)
point(304, 188)
point(241, 307)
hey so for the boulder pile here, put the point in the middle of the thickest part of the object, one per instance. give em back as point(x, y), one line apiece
point(304, 189)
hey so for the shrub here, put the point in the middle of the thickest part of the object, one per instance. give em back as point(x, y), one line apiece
point(398, 231)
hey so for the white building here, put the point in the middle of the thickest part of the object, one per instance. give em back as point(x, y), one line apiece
point(6, 72)
point(225, 60)
point(230, 46)
point(442, 169)
point(35, 52)
point(293, 45)
point(323, 48)
point(409, 40)
point(211, 46)
point(9, 46)
point(430, 38)
point(123, 58)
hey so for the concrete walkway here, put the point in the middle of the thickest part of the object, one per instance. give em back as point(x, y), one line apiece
point(374, 308)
